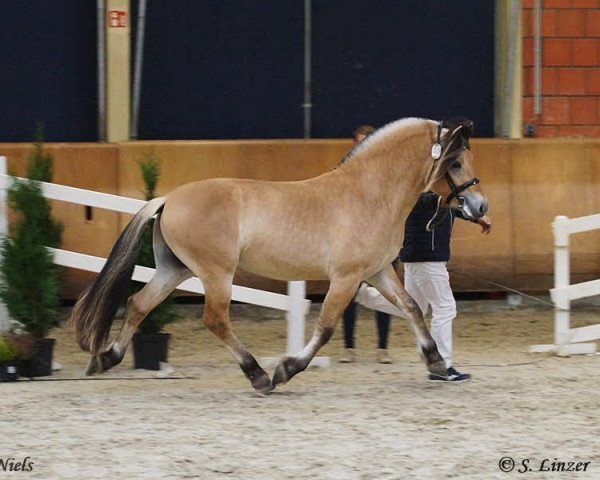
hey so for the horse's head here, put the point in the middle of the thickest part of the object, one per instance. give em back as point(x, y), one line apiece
point(452, 174)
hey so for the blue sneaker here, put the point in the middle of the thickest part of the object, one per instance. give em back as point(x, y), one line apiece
point(453, 376)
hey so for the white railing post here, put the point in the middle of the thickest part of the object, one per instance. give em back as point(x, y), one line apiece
point(562, 278)
point(567, 340)
point(4, 318)
point(295, 317)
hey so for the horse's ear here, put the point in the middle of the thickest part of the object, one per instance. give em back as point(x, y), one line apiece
point(464, 126)
point(467, 127)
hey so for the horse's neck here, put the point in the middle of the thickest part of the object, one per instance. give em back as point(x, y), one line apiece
point(384, 183)
point(393, 175)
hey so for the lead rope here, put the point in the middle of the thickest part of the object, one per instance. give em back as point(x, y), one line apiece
point(432, 223)
point(503, 287)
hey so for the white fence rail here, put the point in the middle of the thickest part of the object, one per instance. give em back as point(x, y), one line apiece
point(567, 340)
point(294, 303)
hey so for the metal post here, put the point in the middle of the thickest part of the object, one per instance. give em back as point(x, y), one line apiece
point(307, 105)
point(101, 53)
point(537, 58)
point(4, 318)
point(137, 74)
point(513, 37)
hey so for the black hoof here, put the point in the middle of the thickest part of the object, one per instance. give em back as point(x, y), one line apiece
point(262, 383)
point(434, 361)
point(110, 358)
point(438, 368)
point(94, 366)
point(257, 376)
point(287, 368)
point(280, 376)
point(104, 361)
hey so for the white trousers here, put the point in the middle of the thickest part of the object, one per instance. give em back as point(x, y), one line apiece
point(428, 283)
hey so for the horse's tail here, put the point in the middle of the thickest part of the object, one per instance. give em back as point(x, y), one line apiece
point(94, 312)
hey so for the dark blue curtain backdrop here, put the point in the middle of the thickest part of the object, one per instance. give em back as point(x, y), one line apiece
point(222, 69)
point(234, 68)
point(379, 60)
point(48, 70)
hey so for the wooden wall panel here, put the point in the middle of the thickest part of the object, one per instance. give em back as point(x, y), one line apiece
point(528, 183)
point(553, 177)
point(187, 161)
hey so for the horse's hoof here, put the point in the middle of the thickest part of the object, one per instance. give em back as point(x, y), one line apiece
point(94, 366)
point(434, 361)
point(104, 361)
point(258, 377)
point(262, 383)
point(110, 357)
point(438, 368)
point(287, 368)
point(280, 375)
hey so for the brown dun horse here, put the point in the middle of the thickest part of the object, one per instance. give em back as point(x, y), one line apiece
point(345, 226)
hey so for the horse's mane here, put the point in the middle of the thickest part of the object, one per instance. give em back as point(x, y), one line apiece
point(454, 138)
point(381, 133)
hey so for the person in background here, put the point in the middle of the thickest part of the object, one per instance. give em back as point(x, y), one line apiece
point(382, 319)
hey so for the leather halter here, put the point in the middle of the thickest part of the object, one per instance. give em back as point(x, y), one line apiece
point(458, 189)
point(436, 152)
point(441, 212)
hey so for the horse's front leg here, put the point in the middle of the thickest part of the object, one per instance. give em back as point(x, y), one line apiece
point(390, 286)
point(341, 291)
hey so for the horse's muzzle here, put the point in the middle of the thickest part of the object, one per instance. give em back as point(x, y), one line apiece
point(472, 205)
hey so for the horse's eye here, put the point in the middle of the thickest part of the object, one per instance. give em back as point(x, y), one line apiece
point(456, 165)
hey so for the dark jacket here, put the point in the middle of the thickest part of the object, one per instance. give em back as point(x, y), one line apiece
point(421, 245)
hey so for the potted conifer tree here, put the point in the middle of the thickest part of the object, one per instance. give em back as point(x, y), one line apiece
point(150, 342)
point(29, 279)
point(15, 345)
point(8, 362)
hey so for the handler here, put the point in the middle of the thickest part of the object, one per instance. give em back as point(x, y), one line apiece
point(425, 254)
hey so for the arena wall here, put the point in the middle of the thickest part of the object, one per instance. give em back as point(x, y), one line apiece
point(528, 182)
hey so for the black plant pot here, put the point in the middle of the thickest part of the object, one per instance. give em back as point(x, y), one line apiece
point(8, 372)
point(149, 349)
point(40, 364)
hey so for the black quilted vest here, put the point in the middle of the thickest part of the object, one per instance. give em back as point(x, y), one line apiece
point(421, 245)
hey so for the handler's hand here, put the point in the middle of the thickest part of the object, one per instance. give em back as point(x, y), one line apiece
point(486, 224)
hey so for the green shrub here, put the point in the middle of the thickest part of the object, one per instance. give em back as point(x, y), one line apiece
point(7, 354)
point(29, 279)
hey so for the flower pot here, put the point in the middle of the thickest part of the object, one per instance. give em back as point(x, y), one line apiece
point(40, 364)
point(8, 371)
point(149, 349)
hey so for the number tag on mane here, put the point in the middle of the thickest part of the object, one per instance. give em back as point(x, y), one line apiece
point(436, 151)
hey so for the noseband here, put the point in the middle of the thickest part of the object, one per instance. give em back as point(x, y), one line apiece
point(458, 189)
point(436, 153)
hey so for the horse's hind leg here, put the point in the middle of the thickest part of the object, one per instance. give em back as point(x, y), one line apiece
point(341, 291)
point(390, 286)
point(216, 319)
point(170, 272)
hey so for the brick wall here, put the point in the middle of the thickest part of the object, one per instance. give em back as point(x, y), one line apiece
point(570, 68)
